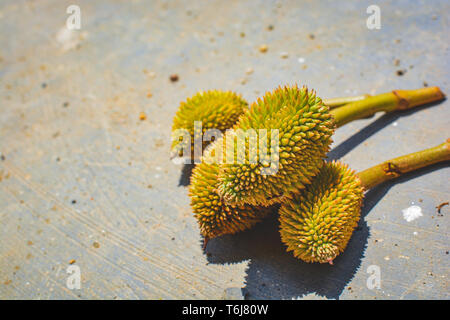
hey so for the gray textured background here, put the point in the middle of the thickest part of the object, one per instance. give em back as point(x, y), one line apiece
point(70, 130)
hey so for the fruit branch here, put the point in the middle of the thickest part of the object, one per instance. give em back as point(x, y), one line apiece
point(337, 102)
point(387, 102)
point(394, 168)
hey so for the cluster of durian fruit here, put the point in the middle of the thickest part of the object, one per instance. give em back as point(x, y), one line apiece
point(319, 202)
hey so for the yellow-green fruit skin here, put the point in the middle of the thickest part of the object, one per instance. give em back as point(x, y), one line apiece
point(215, 109)
point(304, 126)
point(317, 223)
point(216, 218)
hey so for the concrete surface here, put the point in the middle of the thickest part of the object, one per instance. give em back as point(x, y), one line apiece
point(84, 179)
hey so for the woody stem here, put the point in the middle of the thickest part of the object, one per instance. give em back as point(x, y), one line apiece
point(394, 168)
point(338, 102)
point(387, 102)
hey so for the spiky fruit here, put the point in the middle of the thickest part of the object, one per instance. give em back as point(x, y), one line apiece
point(214, 109)
point(304, 126)
point(317, 223)
point(215, 217)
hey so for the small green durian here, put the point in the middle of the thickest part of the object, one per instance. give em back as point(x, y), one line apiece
point(214, 109)
point(317, 223)
point(304, 133)
point(214, 216)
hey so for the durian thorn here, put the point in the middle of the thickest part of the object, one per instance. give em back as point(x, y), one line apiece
point(337, 102)
point(387, 102)
point(395, 167)
point(173, 154)
point(205, 242)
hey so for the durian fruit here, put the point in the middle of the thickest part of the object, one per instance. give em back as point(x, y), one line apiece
point(214, 216)
point(214, 109)
point(305, 126)
point(317, 223)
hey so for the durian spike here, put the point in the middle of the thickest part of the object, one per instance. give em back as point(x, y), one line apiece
point(387, 102)
point(205, 242)
point(317, 223)
point(338, 102)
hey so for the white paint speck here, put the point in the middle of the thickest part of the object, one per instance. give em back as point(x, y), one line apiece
point(301, 60)
point(415, 233)
point(395, 124)
point(412, 213)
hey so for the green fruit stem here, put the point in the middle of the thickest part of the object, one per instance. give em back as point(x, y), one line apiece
point(387, 102)
point(394, 168)
point(337, 102)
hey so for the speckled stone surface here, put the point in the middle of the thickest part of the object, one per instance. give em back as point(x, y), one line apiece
point(83, 178)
